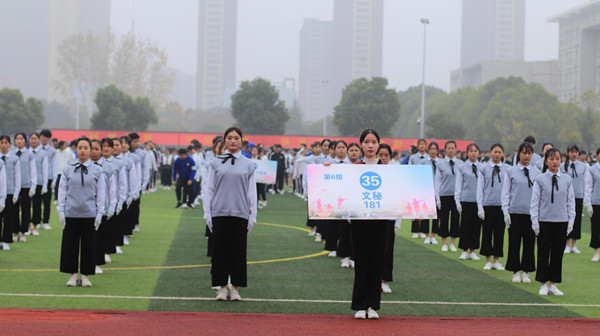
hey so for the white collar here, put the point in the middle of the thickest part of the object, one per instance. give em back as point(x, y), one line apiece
point(493, 164)
point(86, 163)
point(551, 173)
point(476, 163)
point(236, 155)
point(521, 166)
point(449, 159)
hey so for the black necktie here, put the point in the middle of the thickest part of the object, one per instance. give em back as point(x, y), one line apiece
point(422, 157)
point(573, 171)
point(83, 169)
point(496, 172)
point(4, 158)
point(474, 167)
point(19, 153)
point(554, 184)
point(526, 171)
point(226, 157)
point(434, 166)
point(452, 166)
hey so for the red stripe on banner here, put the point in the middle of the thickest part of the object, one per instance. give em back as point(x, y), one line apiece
point(287, 141)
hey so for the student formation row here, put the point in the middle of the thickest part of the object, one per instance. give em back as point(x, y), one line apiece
point(97, 195)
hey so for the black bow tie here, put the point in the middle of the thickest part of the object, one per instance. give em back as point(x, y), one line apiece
point(573, 171)
point(526, 171)
point(83, 169)
point(474, 167)
point(451, 166)
point(422, 157)
point(4, 158)
point(226, 157)
point(19, 153)
point(496, 172)
point(554, 185)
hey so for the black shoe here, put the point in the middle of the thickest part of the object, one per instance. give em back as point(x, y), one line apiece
point(178, 205)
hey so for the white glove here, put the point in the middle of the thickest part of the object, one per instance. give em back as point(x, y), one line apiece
point(137, 196)
point(97, 222)
point(459, 208)
point(569, 228)
point(209, 224)
point(129, 201)
point(53, 185)
point(15, 198)
point(44, 190)
point(31, 192)
point(507, 220)
point(397, 225)
point(590, 210)
point(109, 215)
point(481, 213)
point(250, 226)
point(62, 219)
point(1, 207)
point(438, 202)
point(536, 228)
point(119, 208)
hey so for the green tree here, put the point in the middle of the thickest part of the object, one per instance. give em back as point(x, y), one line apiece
point(118, 111)
point(586, 117)
point(367, 103)
point(57, 115)
point(441, 125)
point(410, 111)
point(18, 114)
point(257, 109)
point(295, 125)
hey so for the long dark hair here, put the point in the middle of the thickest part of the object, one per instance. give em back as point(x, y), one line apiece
point(525, 146)
point(24, 137)
point(384, 146)
point(368, 131)
point(499, 146)
point(549, 153)
point(569, 149)
point(233, 129)
point(5, 137)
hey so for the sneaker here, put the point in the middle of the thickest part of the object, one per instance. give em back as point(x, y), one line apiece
point(498, 266)
point(125, 240)
point(575, 250)
point(183, 206)
point(488, 266)
point(386, 288)
point(119, 250)
point(464, 256)
point(46, 226)
point(525, 278)
point(372, 314)
point(516, 278)
point(312, 233)
point(427, 241)
point(136, 228)
point(332, 254)
point(107, 258)
point(422, 235)
point(318, 237)
point(595, 258)
point(5, 247)
point(452, 248)
point(72, 281)
point(567, 249)
point(444, 248)
point(190, 205)
point(234, 295)
point(99, 270)
point(28, 233)
point(222, 293)
point(55, 202)
point(553, 290)
point(415, 236)
point(433, 241)
point(352, 263)
point(361, 314)
point(22, 238)
point(543, 290)
point(473, 256)
point(346, 262)
point(35, 232)
point(85, 282)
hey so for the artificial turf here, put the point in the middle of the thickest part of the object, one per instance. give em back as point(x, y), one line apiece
point(174, 237)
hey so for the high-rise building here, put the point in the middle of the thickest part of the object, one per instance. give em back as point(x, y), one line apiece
point(216, 51)
point(31, 32)
point(492, 30)
point(316, 68)
point(358, 42)
point(578, 50)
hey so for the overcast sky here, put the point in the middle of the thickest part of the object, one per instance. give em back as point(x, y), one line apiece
point(269, 31)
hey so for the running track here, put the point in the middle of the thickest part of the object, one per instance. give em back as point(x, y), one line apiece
point(88, 322)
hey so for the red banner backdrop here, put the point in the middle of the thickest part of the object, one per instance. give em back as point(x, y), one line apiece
point(287, 141)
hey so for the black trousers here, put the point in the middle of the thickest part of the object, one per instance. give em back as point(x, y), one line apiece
point(311, 223)
point(9, 219)
point(101, 235)
point(78, 233)
point(187, 196)
point(46, 201)
point(229, 243)
point(279, 180)
point(415, 227)
point(261, 192)
point(520, 231)
point(25, 204)
point(595, 239)
point(470, 226)
point(165, 175)
point(36, 202)
point(369, 240)
point(388, 261)
point(121, 225)
point(448, 210)
point(425, 228)
point(332, 234)
point(55, 191)
point(576, 233)
point(131, 218)
point(492, 239)
point(345, 242)
point(551, 247)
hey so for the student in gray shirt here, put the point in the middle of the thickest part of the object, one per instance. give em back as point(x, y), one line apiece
point(576, 170)
point(41, 166)
point(28, 184)
point(465, 196)
point(592, 202)
point(552, 216)
point(45, 137)
point(445, 181)
point(9, 218)
point(419, 158)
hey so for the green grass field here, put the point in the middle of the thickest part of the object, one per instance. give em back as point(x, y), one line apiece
point(147, 273)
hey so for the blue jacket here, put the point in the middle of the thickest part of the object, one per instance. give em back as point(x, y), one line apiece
point(186, 169)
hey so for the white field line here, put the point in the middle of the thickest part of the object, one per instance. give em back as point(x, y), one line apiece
point(172, 298)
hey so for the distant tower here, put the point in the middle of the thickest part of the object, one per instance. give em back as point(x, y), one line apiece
point(216, 51)
point(492, 30)
point(358, 42)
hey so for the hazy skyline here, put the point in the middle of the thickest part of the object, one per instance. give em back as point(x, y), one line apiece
point(268, 38)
